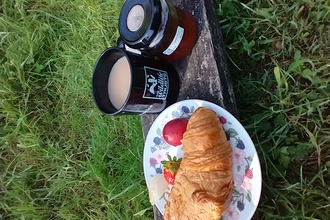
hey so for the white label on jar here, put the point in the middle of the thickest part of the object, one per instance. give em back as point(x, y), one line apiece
point(176, 41)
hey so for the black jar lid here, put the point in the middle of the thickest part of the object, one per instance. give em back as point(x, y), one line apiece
point(139, 22)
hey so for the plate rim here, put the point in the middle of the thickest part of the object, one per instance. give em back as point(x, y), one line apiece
point(200, 103)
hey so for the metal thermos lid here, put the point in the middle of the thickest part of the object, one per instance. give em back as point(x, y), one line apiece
point(139, 22)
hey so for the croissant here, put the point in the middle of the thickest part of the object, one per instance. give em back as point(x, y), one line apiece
point(204, 181)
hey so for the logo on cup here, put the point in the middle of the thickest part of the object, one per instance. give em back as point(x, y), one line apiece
point(156, 86)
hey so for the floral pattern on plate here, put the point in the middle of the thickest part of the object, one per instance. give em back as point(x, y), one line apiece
point(243, 172)
point(159, 151)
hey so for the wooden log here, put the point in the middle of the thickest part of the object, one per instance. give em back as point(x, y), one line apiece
point(204, 73)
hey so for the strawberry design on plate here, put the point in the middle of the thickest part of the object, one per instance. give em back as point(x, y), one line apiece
point(171, 167)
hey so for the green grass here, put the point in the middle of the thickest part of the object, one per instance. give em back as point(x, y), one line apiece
point(61, 159)
point(279, 54)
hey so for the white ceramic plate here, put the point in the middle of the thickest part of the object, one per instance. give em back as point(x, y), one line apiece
point(246, 166)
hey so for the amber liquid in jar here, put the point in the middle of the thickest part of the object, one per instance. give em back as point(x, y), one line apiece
point(177, 34)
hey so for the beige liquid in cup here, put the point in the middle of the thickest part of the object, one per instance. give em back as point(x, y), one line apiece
point(119, 82)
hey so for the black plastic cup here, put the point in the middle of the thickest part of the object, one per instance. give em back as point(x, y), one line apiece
point(155, 84)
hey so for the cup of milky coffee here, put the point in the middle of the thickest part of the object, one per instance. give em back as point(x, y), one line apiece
point(128, 83)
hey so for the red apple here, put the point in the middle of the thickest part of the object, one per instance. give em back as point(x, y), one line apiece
point(173, 131)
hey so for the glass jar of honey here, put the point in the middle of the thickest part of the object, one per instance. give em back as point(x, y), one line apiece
point(157, 28)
